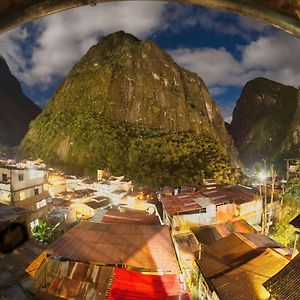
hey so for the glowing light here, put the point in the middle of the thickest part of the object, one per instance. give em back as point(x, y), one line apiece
point(262, 176)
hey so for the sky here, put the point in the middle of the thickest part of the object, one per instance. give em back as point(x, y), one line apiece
point(224, 49)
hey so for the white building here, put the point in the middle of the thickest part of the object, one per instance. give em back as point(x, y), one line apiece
point(23, 186)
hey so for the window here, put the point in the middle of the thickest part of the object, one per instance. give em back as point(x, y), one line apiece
point(4, 178)
point(21, 177)
point(36, 191)
point(22, 195)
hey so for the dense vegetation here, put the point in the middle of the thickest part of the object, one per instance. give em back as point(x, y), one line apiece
point(148, 156)
point(283, 232)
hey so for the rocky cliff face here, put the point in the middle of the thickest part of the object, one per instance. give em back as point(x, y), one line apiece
point(124, 84)
point(262, 121)
point(16, 110)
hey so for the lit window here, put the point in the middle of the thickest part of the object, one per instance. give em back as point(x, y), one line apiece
point(22, 196)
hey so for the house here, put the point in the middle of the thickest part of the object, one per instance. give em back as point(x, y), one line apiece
point(88, 208)
point(235, 267)
point(22, 185)
point(285, 285)
point(109, 261)
point(214, 205)
point(78, 280)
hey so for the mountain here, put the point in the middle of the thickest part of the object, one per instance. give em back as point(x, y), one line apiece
point(265, 122)
point(127, 106)
point(16, 110)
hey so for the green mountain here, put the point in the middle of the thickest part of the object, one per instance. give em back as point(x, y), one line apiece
point(16, 110)
point(265, 122)
point(127, 106)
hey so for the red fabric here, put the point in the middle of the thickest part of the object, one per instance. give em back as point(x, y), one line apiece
point(131, 285)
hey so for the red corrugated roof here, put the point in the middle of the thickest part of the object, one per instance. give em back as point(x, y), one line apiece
point(182, 202)
point(131, 285)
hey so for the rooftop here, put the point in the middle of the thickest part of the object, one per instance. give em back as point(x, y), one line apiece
point(13, 278)
point(9, 213)
point(140, 246)
point(131, 285)
point(285, 285)
point(193, 201)
point(183, 202)
point(233, 251)
point(245, 281)
point(209, 234)
point(72, 280)
point(108, 216)
point(75, 280)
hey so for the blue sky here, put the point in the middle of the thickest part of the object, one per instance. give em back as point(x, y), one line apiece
point(226, 50)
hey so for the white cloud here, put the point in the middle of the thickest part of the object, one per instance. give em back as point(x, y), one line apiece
point(215, 66)
point(11, 50)
point(66, 36)
point(275, 56)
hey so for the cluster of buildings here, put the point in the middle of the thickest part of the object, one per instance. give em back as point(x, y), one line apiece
point(192, 242)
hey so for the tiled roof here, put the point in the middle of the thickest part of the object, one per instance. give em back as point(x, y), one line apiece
point(141, 246)
point(131, 285)
point(285, 285)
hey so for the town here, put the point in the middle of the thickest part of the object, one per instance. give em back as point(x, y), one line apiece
point(68, 237)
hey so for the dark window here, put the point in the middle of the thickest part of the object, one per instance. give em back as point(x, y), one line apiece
point(4, 177)
point(21, 177)
point(36, 191)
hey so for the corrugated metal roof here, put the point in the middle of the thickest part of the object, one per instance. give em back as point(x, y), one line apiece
point(140, 246)
point(10, 213)
point(232, 251)
point(131, 285)
point(128, 217)
point(246, 281)
point(207, 235)
point(13, 278)
point(73, 280)
point(182, 203)
point(187, 202)
point(285, 285)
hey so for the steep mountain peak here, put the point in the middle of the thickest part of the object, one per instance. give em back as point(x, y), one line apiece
point(16, 110)
point(261, 119)
point(130, 84)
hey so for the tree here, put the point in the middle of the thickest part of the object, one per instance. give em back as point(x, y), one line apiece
point(45, 232)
